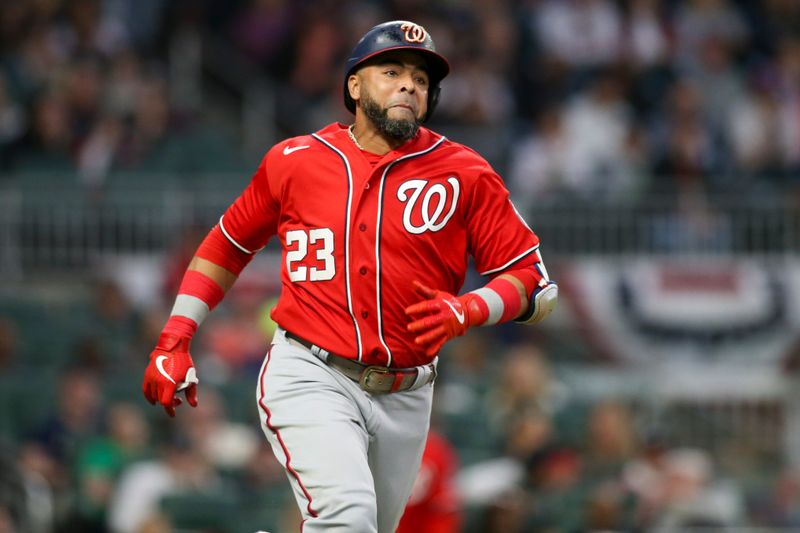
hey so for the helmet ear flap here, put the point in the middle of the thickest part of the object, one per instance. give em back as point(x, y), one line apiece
point(433, 99)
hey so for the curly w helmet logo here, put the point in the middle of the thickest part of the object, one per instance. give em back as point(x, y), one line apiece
point(414, 33)
point(430, 214)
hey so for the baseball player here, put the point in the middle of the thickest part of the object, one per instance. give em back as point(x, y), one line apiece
point(376, 221)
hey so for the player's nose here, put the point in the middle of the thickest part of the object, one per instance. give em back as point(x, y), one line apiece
point(407, 83)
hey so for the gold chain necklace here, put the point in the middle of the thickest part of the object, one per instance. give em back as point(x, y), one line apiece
point(353, 137)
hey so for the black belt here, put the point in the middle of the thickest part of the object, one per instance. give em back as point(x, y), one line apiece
point(375, 379)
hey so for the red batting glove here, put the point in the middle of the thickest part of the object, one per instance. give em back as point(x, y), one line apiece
point(441, 317)
point(170, 371)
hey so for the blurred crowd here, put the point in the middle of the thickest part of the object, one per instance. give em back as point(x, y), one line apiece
point(572, 100)
point(595, 100)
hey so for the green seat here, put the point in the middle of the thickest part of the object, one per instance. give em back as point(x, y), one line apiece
point(265, 509)
point(26, 402)
point(201, 512)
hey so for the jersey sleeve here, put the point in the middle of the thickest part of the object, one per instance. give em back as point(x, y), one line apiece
point(253, 217)
point(499, 238)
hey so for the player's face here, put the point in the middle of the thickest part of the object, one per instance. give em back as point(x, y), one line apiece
point(398, 84)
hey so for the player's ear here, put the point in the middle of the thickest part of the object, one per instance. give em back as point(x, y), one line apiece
point(354, 86)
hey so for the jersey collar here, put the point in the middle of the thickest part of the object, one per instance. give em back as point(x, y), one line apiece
point(337, 135)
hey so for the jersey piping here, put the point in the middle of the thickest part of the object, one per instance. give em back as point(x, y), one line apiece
point(378, 239)
point(505, 266)
point(233, 242)
point(347, 239)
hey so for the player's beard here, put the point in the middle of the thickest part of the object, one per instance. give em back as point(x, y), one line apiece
point(397, 129)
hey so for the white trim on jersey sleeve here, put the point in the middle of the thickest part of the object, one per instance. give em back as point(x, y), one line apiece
point(231, 239)
point(511, 262)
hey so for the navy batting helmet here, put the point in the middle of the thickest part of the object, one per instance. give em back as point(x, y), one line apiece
point(398, 35)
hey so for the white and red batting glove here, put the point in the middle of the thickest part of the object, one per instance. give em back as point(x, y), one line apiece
point(442, 316)
point(170, 371)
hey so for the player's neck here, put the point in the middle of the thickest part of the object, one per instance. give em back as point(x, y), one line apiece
point(368, 138)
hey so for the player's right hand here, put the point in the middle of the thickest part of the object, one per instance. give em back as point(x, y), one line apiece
point(170, 371)
point(439, 317)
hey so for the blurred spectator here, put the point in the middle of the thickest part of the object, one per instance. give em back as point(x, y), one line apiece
point(125, 81)
point(554, 491)
point(48, 457)
point(180, 467)
point(433, 506)
point(112, 321)
point(539, 161)
point(718, 83)
point(50, 143)
point(303, 101)
point(262, 29)
point(224, 444)
point(9, 345)
point(597, 125)
point(96, 155)
point(611, 441)
point(788, 86)
point(89, 31)
point(688, 152)
point(13, 122)
point(102, 459)
point(580, 33)
point(478, 89)
point(44, 478)
point(75, 417)
point(13, 501)
point(779, 505)
point(524, 386)
point(646, 37)
point(691, 497)
point(698, 22)
point(476, 95)
point(83, 89)
point(753, 124)
point(146, 145)
point(235, 339)
point(461, 398)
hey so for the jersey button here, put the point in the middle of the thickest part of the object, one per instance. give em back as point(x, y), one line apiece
point(362, 271)
point(362, 227)
point(366, 186)
point(364, 314)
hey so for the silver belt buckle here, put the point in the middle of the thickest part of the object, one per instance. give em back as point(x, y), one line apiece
point(374, 379)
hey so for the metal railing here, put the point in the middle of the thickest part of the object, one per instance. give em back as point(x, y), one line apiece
point(45, 225)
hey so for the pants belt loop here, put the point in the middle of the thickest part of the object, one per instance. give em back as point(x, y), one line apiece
point(424, 374)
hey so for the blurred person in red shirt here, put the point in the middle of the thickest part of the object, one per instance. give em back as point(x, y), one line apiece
point(434, 505)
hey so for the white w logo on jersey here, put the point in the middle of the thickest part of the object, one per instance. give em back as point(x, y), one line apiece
point(431, 218)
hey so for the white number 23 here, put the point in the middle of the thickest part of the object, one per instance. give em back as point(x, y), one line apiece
point(324, 254)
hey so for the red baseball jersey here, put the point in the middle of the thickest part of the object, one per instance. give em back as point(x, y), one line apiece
point(356, 229)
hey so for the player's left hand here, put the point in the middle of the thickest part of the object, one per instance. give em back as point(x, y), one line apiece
point(439, 317)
